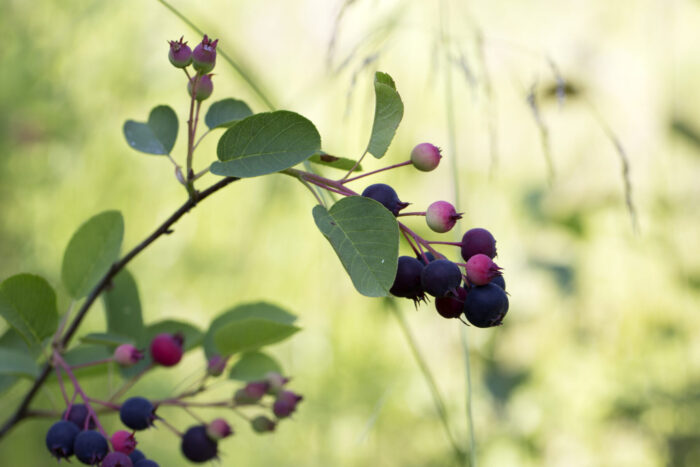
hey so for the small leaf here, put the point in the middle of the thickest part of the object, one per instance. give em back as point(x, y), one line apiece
point(193, 336)
point(250, 334)
point(16, 363)
point(106, 339)
point(253, 366)
point(28, 303)
point(341, 163)
point(388, 112)
point(157, 136)
point(12, 340)
point(365, 236)
point(91, 251)
point(123, 307)
point(226, 112)
point(265, 143)
point(248, 310)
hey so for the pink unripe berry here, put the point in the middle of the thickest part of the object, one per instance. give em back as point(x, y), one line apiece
point(203, 87)
point(441, 216)
point(425, 157)
point(127, 355)
point(216, 365)
point(481, 269)
point(262, 424)
point(204, 55)
point(276, 381)
point(285, 404)
point(123, 441)
point(219, 429)
point(166, 349)
point(251, 393)
point(180, 55)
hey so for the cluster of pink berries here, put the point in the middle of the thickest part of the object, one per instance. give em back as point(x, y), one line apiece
point(202, 59)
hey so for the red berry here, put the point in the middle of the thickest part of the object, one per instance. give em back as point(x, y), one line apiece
point(123, 441)
point(180, 55)
point(219, 429)
point(481, 270)
point(166, 349)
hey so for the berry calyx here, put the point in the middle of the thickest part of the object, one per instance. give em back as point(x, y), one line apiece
point(203, 87)
point(481, 269)
point(204, 55)
point(137, 413)
point(127, 355)
point(117, 459)
point(262, 424)
point(90, 447)
point(78, 415)
point(425, 157)
point(219, 429)
point(486, 305)
point(60, 439)
point(197, 446)
point(441, 216)
point(386, 195)
point(477, 241)
point(286, 404)
point(123, 441)
point(441, 277)
point(180, 55)
point(407, 282)
point(166, 349)
point(451, 307)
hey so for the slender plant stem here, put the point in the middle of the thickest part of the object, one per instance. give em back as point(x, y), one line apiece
point(170, 427)
point(63, 388)
point(352, 169)
point(444, 243)
point(109, 405)
point(346, 180)
point(401, 214)
point(199, 140)
point(130, 383)
point(106, 280)
point(96, 362)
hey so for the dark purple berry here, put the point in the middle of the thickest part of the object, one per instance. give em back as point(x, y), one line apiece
point(428, 256)
point(407, 282)
point(262, 424)
point(77, 415)
point(440, 277)
point(285, 404)
point(204, 55)
point(136, 456)
point(117, 459)
point(146, 463)
point(477, 241)
point(197, 446)
point(451, 307)
point(180, 55)
point(499, 281)
point(137, 413)
point(385, 195)
point(216, 365)
point(90, 447)
point(60, 438)
point(486, 305)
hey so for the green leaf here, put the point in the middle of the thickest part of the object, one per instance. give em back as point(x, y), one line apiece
point(248, 310)
point(365, 236)
point(341, 163)
point(12, 340)
point(91, 251)
point(253, 366)
point(123, 307)
point(28, 303)
point(16, 363)
point(226, 112)
point(265, 143)
point(250, 334)
point(109, 340)
point(86, 354)
point(193, 336)
point(157, 136)
point(388, 112)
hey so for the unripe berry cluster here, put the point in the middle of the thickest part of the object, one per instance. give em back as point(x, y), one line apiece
point(202, 59)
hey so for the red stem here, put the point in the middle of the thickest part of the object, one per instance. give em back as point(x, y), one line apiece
point(96, 362)
point(375, 171)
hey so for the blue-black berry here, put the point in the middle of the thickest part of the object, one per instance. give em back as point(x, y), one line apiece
point(499, 281)
point(440, 277)
point(386, 195)
point(486, 305)
point(77, 415)
point(136, 455)
point(90, 447)
point(137, 413)
point(407, 282)
point(197, 446)
point(451, 307)
point(60, 438)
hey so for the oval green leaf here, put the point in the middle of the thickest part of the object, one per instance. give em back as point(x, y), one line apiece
point(365, 236)
point(341, 163)
point(261, 310)
point(253, 366)
point(250, 334)
point(388, 112)
point(16, 363)
point(28, 303)
point(123, 307)
point(91, 251)
point(226, 112)
point(157, 135)
point(107, 339)
point(265, 143)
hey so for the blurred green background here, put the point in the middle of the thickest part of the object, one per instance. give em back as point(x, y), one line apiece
point(598, 361)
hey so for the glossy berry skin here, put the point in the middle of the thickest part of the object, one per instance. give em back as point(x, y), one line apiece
point(180, 55)
point(428, 255)
point(441, 277)
point(90, 447)
point(486, 305)
point(137, 413)
point(477, 241)
point(407, 282)
point(117, 459)
point(136, 455)
point(203, 87)
point(60, 439)
point(499, 281)
point(197, 446)
point(425, 157)
point(441, 216)
point(204, 55)
point(166, 349)
point(123, 441)
point(285, 404)
point(146, 463)
point(481, 269)
point(451, 307)
point(262, 424)
point(78, 415)
point(386, 195)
